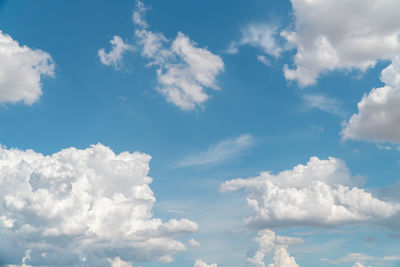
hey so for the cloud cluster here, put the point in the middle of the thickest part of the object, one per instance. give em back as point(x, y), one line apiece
point(82, 206)
point(378, 117)
point(331, 35)
point(21, 70)
point(200, 263)
point(268, 241)
point(320, 193)
point(183, 70)
point(115, 55)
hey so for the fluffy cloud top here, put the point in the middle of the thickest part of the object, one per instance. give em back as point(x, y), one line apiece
point(21, 70)
point(378, 117)
point(342, 34)
point(268, 241)
point(200, 263)
point(114, 57)
point(184, 71)
point(320, 193)
point(82, 206)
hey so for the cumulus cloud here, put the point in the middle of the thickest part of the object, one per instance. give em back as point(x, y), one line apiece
point(184, 71)
point(320, 193)
point(115, 55)
point(268, 242)
point(117, 262)
point(21, 70)
point(224, 150)
point(263, 36)
point(378, 117)
point(341, 35)
point(200, 263)
point(89, 205)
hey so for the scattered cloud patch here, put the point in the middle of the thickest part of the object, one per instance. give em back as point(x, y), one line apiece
point(194, 243)
point(217, 153)
point(263, 36)
point(21, 71)
point(378, 117)
point(361, 258)
point(184, 71)
point(341, 36)
point(321, 193)
point(115, 55)
point(89, 202)
point(200, 263)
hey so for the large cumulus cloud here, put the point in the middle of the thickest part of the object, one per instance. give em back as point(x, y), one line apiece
point(341, 34)
point(82, 207)
point(320, 193)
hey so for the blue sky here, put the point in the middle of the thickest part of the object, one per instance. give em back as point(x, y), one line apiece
point(297, 98)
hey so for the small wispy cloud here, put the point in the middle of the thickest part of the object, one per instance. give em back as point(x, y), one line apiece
point(217, 153)
point(360, 257)
point(321, 102)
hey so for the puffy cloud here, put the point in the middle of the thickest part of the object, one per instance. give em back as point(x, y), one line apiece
point(194, 243)
point(320, 193)
point(21, 70)
point(83, 206)
point(331, 35)
point(117, 262)
point(200, 263)
point(114, 57)
point(219, 152)
point(378, 117)
point(184, 71)
point(268, 241)
point(263, 36)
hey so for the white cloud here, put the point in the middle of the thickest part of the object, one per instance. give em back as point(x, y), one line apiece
point(378, 117)
point(194, 243)
point(89, 202)
point(361, 258)
point(224, 150)
point(114, 57)
point(358, 264)
point(341, 35)
point(263, 60)
point(200, 263)
point(268, 242)
point(263, 36)
point(21, 70)
point(184, 71)
point(323, 103)
point(117, 262)
point(283, 259)
point(320, 193)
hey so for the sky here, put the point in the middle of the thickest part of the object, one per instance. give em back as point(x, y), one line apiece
point(200, 133)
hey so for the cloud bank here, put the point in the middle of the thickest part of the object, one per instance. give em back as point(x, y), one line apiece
point(82, 207)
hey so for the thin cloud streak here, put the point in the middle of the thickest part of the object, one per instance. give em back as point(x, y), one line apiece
point(217, 153)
